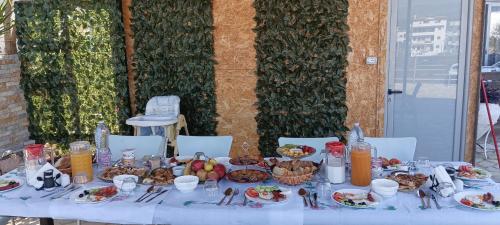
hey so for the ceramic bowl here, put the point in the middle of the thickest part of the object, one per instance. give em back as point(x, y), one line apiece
point(118, 181)
point(186, 184)
point(385, 187)
point(178, 170)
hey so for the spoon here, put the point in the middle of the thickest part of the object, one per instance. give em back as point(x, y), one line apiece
point(303, 193)
point(149, 190)
point(421, 194)
point(154, 192)
point(231, 198)
point(227, 192)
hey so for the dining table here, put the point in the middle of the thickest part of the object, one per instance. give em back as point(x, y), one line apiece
point(198, 207)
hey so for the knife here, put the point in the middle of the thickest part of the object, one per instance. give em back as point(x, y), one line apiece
point(156, 195)
point(65, 192)
point(69, 186)
point(315, 196)
point(435, 201)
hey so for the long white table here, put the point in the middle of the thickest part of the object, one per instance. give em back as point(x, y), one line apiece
point(196, 208)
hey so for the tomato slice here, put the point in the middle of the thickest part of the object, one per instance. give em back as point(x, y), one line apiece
point(252, 193)
point(466, 202)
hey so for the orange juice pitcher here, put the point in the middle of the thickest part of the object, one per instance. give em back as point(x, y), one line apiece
point(81, 159)
point(361, 164)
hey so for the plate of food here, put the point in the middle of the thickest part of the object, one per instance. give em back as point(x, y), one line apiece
point(267, 194)
point(110, 172)
point(295, 151)
point(467, 172)
point(356, 198)
point(479, 200)
point(179, 160)
point(95, 194)
point(269, 162)
point(406, 181)
point(159, 177)
point(9, 184)
point(247, 176)
point(294, 172)
point(391, 164)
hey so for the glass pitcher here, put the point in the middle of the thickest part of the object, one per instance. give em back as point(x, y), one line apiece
point(361, 164)
point(81, 159)
point(34, 159)
point(335, 162)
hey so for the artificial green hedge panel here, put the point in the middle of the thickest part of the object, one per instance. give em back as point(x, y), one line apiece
point(174, 55)
point(302, 48)
point(73, 67)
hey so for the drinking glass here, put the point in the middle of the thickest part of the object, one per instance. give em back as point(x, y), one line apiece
point(128, 185)
point(324, 189)
point(423, 163)
point(80, 178)
point(377, 170)
point(211, 188)
point(21, 170)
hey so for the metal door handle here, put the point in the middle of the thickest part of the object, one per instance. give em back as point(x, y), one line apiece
point(390, 91)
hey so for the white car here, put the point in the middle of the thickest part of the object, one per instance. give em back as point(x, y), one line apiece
point(493, 68)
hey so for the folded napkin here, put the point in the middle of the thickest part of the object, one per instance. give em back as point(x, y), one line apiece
point(443, 177)
point(33, 181)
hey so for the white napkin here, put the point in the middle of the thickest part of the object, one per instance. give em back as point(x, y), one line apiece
point(443, 177)
point(38, 184)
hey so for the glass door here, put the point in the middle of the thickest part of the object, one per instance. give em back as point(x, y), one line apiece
point(426, 75)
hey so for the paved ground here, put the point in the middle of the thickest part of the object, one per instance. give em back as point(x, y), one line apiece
point(491, 163)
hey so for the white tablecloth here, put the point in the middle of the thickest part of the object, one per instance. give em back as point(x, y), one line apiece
point(197, 208)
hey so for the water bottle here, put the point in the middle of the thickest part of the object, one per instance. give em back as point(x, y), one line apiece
point(356, 135)
point(103, 153)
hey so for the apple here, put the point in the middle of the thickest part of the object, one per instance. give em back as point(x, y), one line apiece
point(213, 175)
point(208, 167)
point(197, 165)
point(202, 174)
point(220, 170)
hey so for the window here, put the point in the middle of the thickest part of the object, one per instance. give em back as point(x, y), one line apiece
point(491, 43)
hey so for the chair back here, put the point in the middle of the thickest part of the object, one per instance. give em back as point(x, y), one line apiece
point(317, 143)
point(402, 148)
point(164, 106)
point(212, 146)
point(143, 145)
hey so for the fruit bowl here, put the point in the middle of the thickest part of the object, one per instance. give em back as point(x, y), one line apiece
point(205, 168)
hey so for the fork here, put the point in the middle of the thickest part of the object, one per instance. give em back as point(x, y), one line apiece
point(154, 192)
point(236, 192)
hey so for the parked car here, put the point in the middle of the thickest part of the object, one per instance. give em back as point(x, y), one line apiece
point(453, 71)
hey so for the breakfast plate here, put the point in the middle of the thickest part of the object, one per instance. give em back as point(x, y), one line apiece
point(95, 195)
point(295, 151)
point(471, 173)
point(479, 200)
point(356, 198)
point(268, 194)
point(9, 184)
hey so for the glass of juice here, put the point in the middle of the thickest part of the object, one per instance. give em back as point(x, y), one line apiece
point(81, 159)
point(361, 164)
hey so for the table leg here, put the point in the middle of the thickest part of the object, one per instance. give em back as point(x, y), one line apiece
point(46, 221)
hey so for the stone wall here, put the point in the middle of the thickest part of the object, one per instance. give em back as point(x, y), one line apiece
point(13, 117)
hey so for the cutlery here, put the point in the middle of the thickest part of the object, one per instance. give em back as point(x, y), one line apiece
point(303, 193)
point(162, 192)
point(55, 192)
point(152, 193)
point(61, 194)
point(149, 190)
point(435, 201)
point(315, 196)
point(245, 201)
point(421, 194)
point(159, 203)
point(231, 198)
point(227, 192)
point(310, 201)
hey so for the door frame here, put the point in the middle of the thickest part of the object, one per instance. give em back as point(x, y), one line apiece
point(467, 10)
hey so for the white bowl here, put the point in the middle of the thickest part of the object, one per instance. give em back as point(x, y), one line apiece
point(118, 181)
point(385, 187)
point(186, 184)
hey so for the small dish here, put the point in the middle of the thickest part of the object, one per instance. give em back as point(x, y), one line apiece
point(178, 170)
point(385, 187)
point(186, 184)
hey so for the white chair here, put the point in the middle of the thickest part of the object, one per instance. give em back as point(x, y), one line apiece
point(317, 143)
point(143, 145)
point(212, 146)
point(401, 148)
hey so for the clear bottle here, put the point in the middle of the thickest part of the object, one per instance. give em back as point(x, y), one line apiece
point(103, 153)
point(356, 135)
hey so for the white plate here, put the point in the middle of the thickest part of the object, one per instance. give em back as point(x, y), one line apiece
point(376, 197)
point(21, 183)
point(74, 197)
point(286, 191)
point(488, 176)
point(460, 195)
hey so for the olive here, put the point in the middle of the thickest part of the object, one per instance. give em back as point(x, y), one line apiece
point(86, 192)
point(81, 195)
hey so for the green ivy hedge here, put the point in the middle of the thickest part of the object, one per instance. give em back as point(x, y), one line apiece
point(73, 67)
point(174, 55)
point(302, 48)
